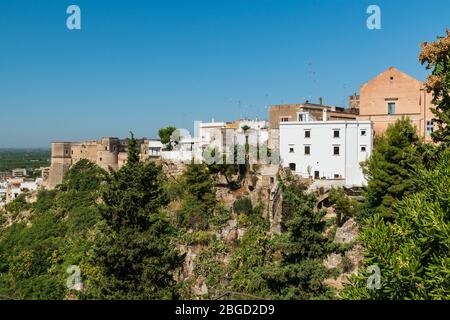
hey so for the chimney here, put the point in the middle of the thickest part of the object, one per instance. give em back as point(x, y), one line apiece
point(324, 114)
point(320, 100)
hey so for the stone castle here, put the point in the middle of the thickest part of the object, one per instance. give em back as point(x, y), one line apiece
point(106, 153)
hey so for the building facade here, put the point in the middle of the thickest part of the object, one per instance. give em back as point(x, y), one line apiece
point(393, 94)
point(294, 112)
point(326, 149)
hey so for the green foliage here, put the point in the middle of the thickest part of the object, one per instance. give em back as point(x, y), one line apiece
point(18, 205)
point(243, 205)
point(301, 272)
point(390, 168)
point(45, 201)
point(199, 202)
point(209, 265)
point(199, 183)
point(24, 158)
point(344, 206)
point(413, 251)
point(253, 253)
point(83, 176)
point(436, 56)
point(193, 214)
point(220, 217)
point(133, 249)
point(165, 136)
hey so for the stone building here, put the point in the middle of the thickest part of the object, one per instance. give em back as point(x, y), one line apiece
point(106, 153)
point(393, 94)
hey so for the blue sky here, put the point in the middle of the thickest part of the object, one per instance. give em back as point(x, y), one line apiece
point(141, 65)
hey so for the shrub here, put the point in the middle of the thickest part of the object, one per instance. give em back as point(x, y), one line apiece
point(243, 205)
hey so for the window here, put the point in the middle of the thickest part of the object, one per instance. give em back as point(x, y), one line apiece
point(363, 148)
point(307, 150)
point(300, 118)
point(106, 148)
point(336, 150)
point(430, 127)
point(292, 166)
point(284, 119)
point(272, 180)
point(316, 175)
point(336, 133)
point(363, 132)
point(391, 107)
point(307, 133)
point(67, 152)
point(101, 159)
point(291, 150)
point(337, 176)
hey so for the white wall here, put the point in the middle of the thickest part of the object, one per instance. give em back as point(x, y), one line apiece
point(321, 143)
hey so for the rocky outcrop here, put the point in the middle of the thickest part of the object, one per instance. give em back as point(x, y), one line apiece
point(348, 233)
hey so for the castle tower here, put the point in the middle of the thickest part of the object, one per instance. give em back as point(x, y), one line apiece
point(107, 153)
point(61, 162)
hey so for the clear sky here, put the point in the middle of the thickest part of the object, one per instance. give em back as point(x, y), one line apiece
point(141, 65)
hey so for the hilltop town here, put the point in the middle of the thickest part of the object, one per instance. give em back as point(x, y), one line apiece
point(321, 143)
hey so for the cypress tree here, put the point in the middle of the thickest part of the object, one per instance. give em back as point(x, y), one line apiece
point(390, 168)
point(134, 250)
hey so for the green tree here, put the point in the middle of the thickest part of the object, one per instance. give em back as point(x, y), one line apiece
point(134, 249)
point(390, 167)
point(344, 206)
point(300, 274)
point(165, 136)
point(412, 252)
point(199, 202)
point(436, 56)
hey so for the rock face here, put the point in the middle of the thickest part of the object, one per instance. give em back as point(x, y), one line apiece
point(349, 262)
point(333, 261)
point(348, 233)
point(200, 288)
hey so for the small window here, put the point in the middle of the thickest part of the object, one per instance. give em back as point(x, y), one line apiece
point(307, 150)
point(101, 159)
point(272, 179)
point(284, 119)
point(316, 175)
point(307, 134)
point(430, 127)
point(106, 148)
point(291, 150)
point(391, 107)
point(67, 152)
point(292, 166)
point(336, 176)
point(363, 148)
point(336, 150)
point(363, 132)
point(336, 133)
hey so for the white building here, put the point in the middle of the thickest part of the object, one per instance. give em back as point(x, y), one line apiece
point(19, 173)
point(154, 147)
point(221, 136)
point(329, 150)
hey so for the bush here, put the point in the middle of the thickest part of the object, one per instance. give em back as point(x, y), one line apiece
point(243, 205)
